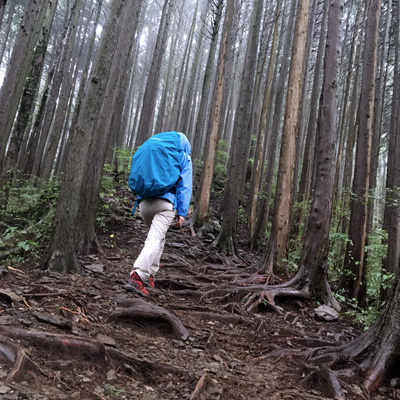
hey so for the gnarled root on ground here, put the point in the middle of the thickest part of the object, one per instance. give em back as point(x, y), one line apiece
point(16, 357)
point(140, 309)
point(267, 297)
point(73, 347)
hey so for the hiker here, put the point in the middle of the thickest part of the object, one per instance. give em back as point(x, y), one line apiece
point(161, 176)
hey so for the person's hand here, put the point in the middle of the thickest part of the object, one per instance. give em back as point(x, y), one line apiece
point(179, 223)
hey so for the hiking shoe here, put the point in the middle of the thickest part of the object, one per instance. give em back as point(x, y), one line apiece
point(150, 282)
point(135, 285)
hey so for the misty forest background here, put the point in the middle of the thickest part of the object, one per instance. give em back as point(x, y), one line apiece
point(291, 107)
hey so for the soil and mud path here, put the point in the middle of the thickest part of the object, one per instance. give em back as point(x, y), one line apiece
point(83, 337)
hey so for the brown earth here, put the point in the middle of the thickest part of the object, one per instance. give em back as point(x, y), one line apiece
point(83, 337)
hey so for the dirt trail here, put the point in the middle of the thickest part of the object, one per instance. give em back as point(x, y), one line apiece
point(82, 337)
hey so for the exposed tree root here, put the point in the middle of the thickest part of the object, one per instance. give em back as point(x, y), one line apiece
point(146, 368)
point(15, 356)
point(326, 381)
point(73, 347)
point(68, 345)
point(205, 388)
point(267, 297)
point(143, 310)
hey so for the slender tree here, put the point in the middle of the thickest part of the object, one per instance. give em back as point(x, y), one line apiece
point(355, 252)
point(391, 221)
point(18, 68)
point(258, 167)
point(204, 192)
point(29, 93)
point(240, 147)
point(277, 253)
point(145, 129)
point(217, 14)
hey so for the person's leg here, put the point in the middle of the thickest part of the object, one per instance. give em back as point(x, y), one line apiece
point(159, 214)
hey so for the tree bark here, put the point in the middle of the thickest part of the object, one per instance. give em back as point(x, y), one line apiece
point(145, 129)
point(316, 243)
point(72, 233)
point(30, 91)
point(278, 247)
point(202, 116)
point(18, 68)
point(209, 158)
point(355, 252)
point(258, 166)
point(391, 222)
point(240, 147)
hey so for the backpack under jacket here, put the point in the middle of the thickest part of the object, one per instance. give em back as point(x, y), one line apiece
point(156, 165)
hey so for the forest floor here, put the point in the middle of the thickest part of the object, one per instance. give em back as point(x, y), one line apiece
point(82, 336)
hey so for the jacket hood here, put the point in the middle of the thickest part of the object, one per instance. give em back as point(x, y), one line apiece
point(185, 143)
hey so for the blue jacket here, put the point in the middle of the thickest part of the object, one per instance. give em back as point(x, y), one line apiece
point(181, 198)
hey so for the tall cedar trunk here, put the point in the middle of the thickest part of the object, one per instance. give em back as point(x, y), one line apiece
point(275, 129)
point(279, 244)
point(303, 194)
point(201, 122)
point(101, 137)
point(69, 226)
point(314, 258)
point(18, 68)
point(295, 225)
point(351, 133)
point(29, 93)
point(10, 15)
point(52, 96)
point(258, 166)
point(82, 84)
point(145, 129)
point(65, 78)
point(174, 116)
point(190, 98)
point(355, 251)
point(71, 109)
point(241, 141)
point(391, 216)
point(376, 143)
point(204, 192)
point(344, 115)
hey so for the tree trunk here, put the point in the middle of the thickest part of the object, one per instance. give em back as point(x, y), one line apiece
point(202, 116)
point(204, 192)
point(11, 13)
point(391, 216)
point(376, 352)
point(314, 256)
point(29, 93)
point(258, 166)
point(65, 79)
point(188, 104)
point(305, 184)
point(71, 230)
point(18, 68)
point(145, 129)
point(275, 128)
point(355, 252)
point(241, 143)
point(279, 246)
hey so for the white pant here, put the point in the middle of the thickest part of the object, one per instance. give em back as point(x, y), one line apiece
point(158, 214)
